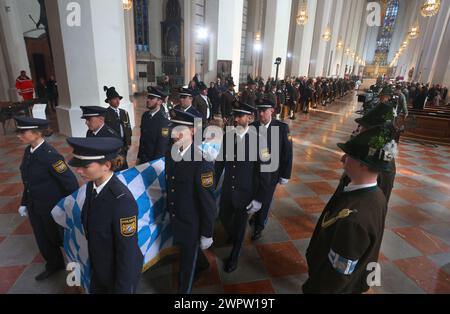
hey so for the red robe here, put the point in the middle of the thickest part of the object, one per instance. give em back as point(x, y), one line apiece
point(25, 88)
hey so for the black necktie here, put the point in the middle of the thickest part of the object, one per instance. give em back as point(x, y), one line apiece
point(93, 196)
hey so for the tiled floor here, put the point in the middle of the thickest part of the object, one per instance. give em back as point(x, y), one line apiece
point(416, 246)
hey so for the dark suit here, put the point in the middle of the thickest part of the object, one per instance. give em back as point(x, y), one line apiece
point(226, 104)
point(249, 97)
point(46, 179)
point(116, 123)
point(192, 207)
point(214, 96)
point(110, 223)
point(285, 151)
point(243, 182)
point(202, 106)
point(155, 136)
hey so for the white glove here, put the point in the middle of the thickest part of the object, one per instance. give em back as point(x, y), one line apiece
point(253, 207)
point(205, 243)
point(23, 211)
point(284, 181)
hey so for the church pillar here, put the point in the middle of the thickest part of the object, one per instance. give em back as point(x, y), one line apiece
point(88, 43)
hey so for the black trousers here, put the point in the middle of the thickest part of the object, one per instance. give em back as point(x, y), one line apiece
point(234, 221)
point(262, 215)
point(49, 239)
point(192, 260)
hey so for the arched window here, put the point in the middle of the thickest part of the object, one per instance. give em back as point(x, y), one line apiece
point(141, 36)
point(385, 36)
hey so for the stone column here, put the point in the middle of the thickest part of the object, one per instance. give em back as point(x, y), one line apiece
point(89, 49)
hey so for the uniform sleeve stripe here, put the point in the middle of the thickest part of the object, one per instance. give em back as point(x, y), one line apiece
point(341, 264)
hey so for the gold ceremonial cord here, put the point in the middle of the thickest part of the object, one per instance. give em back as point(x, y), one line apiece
point(342, 214)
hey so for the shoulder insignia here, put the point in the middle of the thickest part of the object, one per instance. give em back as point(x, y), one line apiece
point(165, 132)
point(128, 226)
point(207, 179)
point(289, 137)
point(60, 166)
point(120, 196)
point(342, 214)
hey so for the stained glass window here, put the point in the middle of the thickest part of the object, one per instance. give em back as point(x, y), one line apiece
point(141, 25)
point(385, 36)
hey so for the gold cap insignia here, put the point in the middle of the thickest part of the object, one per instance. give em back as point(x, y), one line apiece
point(165, 132)
point(342, 214)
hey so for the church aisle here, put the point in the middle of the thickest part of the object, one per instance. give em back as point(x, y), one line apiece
point(416, 246)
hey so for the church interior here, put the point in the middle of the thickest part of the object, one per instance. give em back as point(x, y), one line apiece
point(319, 65)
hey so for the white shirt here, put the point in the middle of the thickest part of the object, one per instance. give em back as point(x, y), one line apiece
point(268, 124)
point(101, 186)
point(351, 187)
point(205, 98)
point(185, 150)
point(154, 112)
point(32, 150)
point(241, 135)
point(118, 114)
point(95, 132)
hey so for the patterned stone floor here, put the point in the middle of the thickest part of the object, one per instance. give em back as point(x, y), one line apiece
point(416, 246)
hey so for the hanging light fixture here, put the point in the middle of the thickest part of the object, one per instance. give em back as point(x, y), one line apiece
point(327, 35)
point(430, 8)
point(127, 4)
point(302, 17)
point(340, 44)
point(405, 44)
point(414, 32)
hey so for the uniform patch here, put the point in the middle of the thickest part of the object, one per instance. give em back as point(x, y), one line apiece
point(265, 153)
point(342, 214)
point(128, 226)
point(341, 264)
point(165, 132)
point(207, 179)
point(60, 166)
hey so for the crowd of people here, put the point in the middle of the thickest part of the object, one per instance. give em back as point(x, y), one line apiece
point(357, 210)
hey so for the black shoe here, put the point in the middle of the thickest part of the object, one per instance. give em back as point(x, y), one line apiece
point(230, 266)
point(256, 235)
point(46, 274)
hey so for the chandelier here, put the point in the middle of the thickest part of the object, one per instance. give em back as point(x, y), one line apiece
point(302, 17)
point(127, 4)
point(430, 8)
point(414, 32)
point(404, 44)
point(340, 44)
point(327, 35)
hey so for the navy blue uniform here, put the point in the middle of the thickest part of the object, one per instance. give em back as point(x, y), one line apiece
point(284, 169)
point(192, 207)
point(110, 223)
point(243, 182)
point(190, 110)
point(155, 136)
point(105, 131)
point(47, 179)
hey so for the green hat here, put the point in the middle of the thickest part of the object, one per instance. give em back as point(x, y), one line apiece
point(374, 147)
point(387, 91)
point(381, 114)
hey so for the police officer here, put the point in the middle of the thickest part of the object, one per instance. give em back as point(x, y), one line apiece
point(118, 120)
point(46, 179)
point(281, 174)
point(349, 232)
point(109, 216)
point(95, 121)
point(190, 199)
point(186, 97)
point(245, 184)
point(155, 137)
